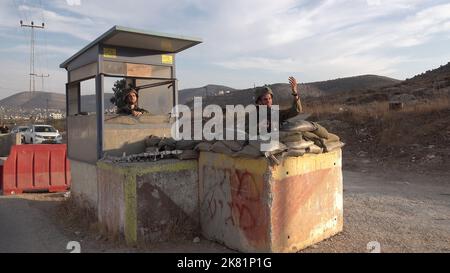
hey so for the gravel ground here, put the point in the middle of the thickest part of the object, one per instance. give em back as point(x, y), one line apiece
point(403, 212)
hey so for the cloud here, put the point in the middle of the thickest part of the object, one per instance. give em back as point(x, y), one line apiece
point(262, 38)
point(260, 63)
point(73, 2)
point(52, 50)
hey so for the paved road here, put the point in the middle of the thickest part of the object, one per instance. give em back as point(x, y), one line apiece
point(405, 212)
point(25, 227)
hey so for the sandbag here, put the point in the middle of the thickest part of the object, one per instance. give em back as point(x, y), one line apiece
point(167, 144)
point(188, 154)
point(314, 149)
point(186, 144)
point(152, 141)
point(294, 137)
point(272, 147)
point(248, 151)
point(203, 146)
point(303, 144)
point(294, 153)
point(285, 134)
point(320, 131)
point(298, 126)
point(220, 147)
point(330, 146)
point(332, 137)
point(234, 145)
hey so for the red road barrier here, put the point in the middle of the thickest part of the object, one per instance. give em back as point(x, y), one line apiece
point(35, 168)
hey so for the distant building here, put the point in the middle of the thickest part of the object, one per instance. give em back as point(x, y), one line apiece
point(56, 116)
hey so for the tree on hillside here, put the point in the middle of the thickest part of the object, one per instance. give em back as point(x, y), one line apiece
point(119, 89)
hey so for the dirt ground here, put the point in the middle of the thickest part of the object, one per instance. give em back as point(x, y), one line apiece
point(403, 211)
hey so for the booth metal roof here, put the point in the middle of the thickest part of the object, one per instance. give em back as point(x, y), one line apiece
point(132, 38)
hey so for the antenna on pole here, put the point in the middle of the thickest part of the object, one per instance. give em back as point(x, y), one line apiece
point(32, 74)
point(42, 76)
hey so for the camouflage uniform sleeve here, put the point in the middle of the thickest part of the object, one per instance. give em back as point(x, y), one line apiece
point(124, 110)
point(142, 110)
point(295, 109)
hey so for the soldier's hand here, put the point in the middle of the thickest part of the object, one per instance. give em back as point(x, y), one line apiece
point(136, 113)
point(294, 86)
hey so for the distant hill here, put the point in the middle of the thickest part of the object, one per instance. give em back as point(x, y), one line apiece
point(435, 78)
point(282, 91)
point(353, 83)
point(186, 95)
point(32, 100)
point(424, 86)
point(216, 94)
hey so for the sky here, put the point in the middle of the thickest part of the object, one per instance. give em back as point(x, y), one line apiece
point(245, 42)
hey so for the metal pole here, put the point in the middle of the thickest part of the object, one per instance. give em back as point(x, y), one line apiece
point(32, 42)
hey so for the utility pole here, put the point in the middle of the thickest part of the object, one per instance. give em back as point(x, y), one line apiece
point(46, 113)
point(42, 76)
point(32, 74)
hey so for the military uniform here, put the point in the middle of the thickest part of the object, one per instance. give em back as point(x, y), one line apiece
point(128, 111)
point(295, 109)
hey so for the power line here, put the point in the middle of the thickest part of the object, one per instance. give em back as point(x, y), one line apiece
point(42, 76)
point(32, 72)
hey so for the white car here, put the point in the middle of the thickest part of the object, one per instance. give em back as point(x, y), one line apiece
point(21, 130)
point(42, 134)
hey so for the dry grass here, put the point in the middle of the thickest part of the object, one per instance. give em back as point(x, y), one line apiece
point(82, 218)
point(381, 132)
point(359, 114)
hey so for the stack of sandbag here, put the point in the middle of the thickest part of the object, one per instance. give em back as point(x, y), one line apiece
point(303, 136)
point(159, 144)
point(296, 138)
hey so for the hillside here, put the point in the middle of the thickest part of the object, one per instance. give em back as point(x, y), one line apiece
point(186, 95)
point(282, 91)
point(429, 85)
point(28, 101)
point(214, 94)
point(354, 83)
point(31, 100)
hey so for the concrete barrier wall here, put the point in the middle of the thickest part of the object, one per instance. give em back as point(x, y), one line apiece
point(307, 203)
point(125, 133)
point(251, 206)
point(129, 138)
point(7, 141)
point(84, 183)
point(149, 202)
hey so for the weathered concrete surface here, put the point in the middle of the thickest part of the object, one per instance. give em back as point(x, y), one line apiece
point(7, 141)
point(130, 138)
point(253, 207)
point(307, 204)
point(151, 201)
point(84, 183)
point(111, 199)
point(168, 202)
point(82, 138)
point(125, 133)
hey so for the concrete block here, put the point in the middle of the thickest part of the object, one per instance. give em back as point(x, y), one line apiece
point(150, 201)
point(7, 141)
point(84, 188)
point(251, 206)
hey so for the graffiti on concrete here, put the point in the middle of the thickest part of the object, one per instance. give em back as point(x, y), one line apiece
point(234, 197)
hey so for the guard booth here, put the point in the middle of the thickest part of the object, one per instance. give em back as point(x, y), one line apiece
point(147, 61)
